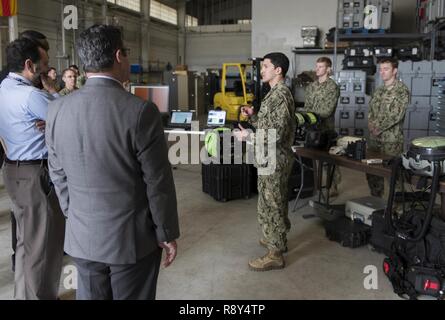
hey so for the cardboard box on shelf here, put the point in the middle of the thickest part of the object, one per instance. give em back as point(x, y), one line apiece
point(340, 44)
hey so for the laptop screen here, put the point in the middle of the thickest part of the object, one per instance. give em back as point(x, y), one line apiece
point(216, 118)
point(179, 117)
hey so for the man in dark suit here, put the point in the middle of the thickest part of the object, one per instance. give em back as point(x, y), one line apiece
point(108, 161)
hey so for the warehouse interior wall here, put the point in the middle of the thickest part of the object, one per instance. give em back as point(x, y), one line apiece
point(276, 26)
point(223, 34)
point(211, 46)
point(45, 16)
point(218, 12)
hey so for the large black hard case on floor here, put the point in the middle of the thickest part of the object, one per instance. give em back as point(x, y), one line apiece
point(228, 181)
point(347, 232)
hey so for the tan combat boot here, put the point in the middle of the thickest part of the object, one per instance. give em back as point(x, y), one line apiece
point(272, 260)
point(264, 244)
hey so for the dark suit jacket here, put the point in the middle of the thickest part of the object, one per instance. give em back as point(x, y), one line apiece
point(108, 161)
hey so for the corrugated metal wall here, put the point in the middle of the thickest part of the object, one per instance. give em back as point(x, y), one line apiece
point(45, 16)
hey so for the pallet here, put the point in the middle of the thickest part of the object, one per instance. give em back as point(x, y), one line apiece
point(362, 31)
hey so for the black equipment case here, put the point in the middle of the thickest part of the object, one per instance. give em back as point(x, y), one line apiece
point(347, 232)
point(228, 181)
point(233, 180)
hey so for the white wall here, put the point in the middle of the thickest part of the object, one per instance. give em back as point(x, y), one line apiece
point(276, 26)
point(211, 46)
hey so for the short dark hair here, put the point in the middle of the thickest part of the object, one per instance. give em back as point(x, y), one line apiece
point(51, 68)
point(37, 37)
point(326, 61)
point(73, 66)
point(280, 60)
point(66, 70)
point(97, 47)
point(393, 61)
point(20, 50)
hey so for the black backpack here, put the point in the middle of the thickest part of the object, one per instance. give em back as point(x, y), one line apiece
point(418, 267)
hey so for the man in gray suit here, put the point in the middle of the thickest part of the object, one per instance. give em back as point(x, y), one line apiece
point(108, 161)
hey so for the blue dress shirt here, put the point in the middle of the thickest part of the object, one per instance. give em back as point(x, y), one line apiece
point(21, 105)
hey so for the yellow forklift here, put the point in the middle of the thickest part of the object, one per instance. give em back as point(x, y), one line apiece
point(234, 91)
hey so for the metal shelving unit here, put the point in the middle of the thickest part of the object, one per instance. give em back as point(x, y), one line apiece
point(297, 50)
point(438, 26)
point(381, 36)
point(425, 40)
point(386, 38)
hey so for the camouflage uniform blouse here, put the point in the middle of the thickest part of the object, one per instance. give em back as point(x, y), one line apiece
point(387, 110)
point(321, 99)
point(277, 112)
point(65, 91)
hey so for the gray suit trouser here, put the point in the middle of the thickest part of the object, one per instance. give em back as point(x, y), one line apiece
point(102, 281)
point(40, 231)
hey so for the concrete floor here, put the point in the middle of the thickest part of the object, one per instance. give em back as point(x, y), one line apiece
point(217, 240)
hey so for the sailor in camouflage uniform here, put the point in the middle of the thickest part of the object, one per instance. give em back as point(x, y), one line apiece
point(81, 78)
point(69, 77)
point(276, 113)
point(321, 98)
point(387, 110)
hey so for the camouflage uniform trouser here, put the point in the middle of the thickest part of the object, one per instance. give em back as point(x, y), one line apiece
point(377, 184)
point(336, 178)
point(273, 205)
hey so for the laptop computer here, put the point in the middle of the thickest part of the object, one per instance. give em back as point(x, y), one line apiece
point(180, 120)
point(216, 119)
